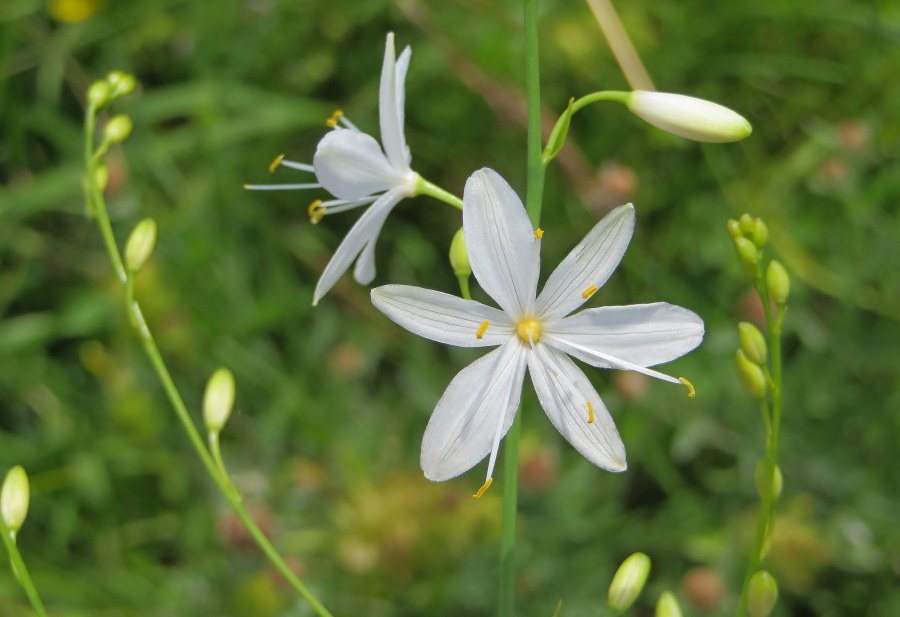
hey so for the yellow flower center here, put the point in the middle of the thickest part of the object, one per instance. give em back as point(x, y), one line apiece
point(529, 331)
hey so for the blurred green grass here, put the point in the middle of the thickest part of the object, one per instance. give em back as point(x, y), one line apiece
point(332, 402)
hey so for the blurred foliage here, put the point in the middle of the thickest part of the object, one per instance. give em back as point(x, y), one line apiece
point(332, 402)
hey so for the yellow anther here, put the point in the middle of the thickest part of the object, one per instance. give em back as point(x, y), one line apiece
point(590, 291)
point(482, 329)
point(275, 163)
point(529, 331)
point(315, 211)
point(590, 413)
point(335, 117)
point(692, 393)
point(484, 487)
point(538, 233)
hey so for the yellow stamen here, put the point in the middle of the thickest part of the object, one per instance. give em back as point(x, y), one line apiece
point(529, 331)
point(538, 233)
point(590, 413)
point(335, 117)
point(484, 487)
point(275, 163)
point(315, 211)
point(590, 291)
point(482, 329)
point(692, 393)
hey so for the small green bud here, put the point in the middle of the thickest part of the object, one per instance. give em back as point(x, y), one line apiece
point(752, 342)
point(117, 129)
point(734, 229)
point(218, 400)
point(747, 223)
point(558, 136)
point(121, 83)
point(689, 117)
point(459, 257)
point(746, 250)
point(101, 176)
point(99, 94)
point(750, 375)
point(14, 498)
point(762, 594)
point(778, 282)
point(140, 245)
point(759, 475)
point(760, 233)
point(628, 581)
point(667, 606)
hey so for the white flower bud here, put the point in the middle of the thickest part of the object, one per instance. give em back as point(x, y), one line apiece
point(689, 117)
point(14, 498)
point(218, 400)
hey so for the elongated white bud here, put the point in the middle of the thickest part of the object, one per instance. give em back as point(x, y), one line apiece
point(689, 117)
point(218, 400)
point(14, 498)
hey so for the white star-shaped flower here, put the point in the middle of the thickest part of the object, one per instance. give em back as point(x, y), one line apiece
point(533, 331)
point(358, 171)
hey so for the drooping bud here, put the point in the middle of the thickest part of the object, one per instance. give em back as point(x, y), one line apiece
point(121, 83)
point(14, 498)
point(459, 257)
point(778, 282)
point(218, 400)
point(750, 375)
point(667, 606)
point(140, 245)
point(759, 475)
point(762, 593)
point(760, 233)
point(628, 581)
point(689, 117)
point(99, 94)
point(753, 343)
point(117, 129)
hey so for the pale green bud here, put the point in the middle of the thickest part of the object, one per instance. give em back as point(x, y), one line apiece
point(762, 593)
point(121, 83)
point(99, 94)
point(760, 233)
point(734, 229)
point(752, 342)
point(759, 475)
point(117, 129)
point(101, 176)
point(667, 606)
point(14, 498)
point(218, 400)
point(689, 117)
point(750, 375)
point(746, 250)
point(778, 282)
point(747, 223)
point(459, 257)
point(140, 245)
point(628, 581)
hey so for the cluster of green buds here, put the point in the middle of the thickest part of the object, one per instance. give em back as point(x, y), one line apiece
point(104, 91)
point(14, 498)
point(751, 358)
point(629, 581)
point(117, 128)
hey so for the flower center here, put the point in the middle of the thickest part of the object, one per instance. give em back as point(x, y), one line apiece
point(529, 331)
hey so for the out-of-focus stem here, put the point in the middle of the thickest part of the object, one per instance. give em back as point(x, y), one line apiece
point(620, 43)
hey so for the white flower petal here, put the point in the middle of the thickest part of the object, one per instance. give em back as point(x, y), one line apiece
point(588, 266)
point(351, 165)
point(500, 241)
point(365, 230)
point(644, 334)
point(565, 393)
point(390, 109)
point(443, 318)
point(481, 398)
point(402, 67)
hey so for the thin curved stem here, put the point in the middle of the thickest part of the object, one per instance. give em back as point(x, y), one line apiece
point(20, 570)
point(424, 187)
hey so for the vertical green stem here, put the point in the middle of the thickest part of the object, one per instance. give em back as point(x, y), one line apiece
point(21, 572)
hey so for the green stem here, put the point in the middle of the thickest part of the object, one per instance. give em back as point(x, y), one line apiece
point(424, 187)
point(605, 95)
point(561, 128)
point(464, 286)
point(20, 570)
point(94, 198)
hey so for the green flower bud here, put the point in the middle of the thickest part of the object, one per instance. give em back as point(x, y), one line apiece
point(667, 606)
point(558, 136)
point(747, 223)
point(734, 229)
point(218, 400)
point(760, 233)
point(459, 257)
point(117, 129)
point(759, 475)
point(101, 176)
point(99, 94)
point(750, 375)
point(778, 282)
point(628, 581)
point(689, 117)
point(140, 245)
point(762, 594)
point(747, 251)
point(14, 498)
point(752, 342)
point(121, 83)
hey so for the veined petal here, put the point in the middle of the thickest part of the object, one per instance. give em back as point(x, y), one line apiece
point(350, 165)
point(402, 67)
point(500, 241)
point(363, 231)
point(570, 401)
point(644, 334)
point(588, 266)
point(443, 318)
point(390, 108)
point(481, 398)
